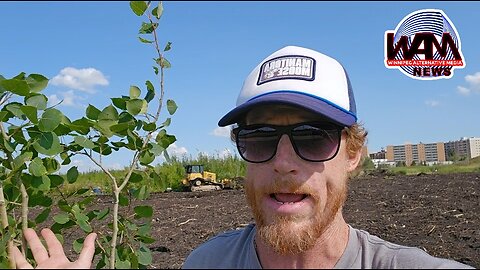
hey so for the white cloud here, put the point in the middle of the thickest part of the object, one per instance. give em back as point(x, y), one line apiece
point(175, 150)
point(222, 132)
point(473, 85)
point(432, 103)
point(68, 99)
point(473, 79)
point(84, 79)
point(463, 90)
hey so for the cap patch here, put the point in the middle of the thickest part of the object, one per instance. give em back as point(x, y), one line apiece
point(287, 67)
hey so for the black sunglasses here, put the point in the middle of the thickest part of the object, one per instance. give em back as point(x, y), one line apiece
point(312, 141)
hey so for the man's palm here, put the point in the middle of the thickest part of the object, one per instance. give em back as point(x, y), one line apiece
point(55, 256)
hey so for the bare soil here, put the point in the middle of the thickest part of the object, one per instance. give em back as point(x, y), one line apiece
point(438, 213)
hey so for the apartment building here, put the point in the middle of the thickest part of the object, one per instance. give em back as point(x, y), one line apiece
point(416, 153)
point(463, 148)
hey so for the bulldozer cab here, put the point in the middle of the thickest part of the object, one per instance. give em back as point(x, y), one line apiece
point(194, 171)
point(197, 171)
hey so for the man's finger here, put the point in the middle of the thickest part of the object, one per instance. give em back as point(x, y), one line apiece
point(88, 250)
point(38, 250)
point(55, 248)
point(20, 261)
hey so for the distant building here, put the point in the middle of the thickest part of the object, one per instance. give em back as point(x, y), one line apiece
point(465, 148)
point(379, 155)
point(416, 153)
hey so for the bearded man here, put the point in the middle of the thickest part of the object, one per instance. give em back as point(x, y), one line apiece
point(295, 124)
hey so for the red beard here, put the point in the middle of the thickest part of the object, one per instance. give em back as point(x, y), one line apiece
point(285, 234)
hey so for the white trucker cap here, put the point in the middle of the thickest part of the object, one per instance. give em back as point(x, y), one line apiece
point(299, 77)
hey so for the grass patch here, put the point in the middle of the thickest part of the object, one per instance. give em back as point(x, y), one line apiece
point(467, 166)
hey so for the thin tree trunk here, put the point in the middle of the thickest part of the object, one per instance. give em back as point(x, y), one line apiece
point(4, 217)
point(24, 216)
point(113, 244)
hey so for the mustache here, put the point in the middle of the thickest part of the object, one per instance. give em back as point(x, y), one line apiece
point(289, 185)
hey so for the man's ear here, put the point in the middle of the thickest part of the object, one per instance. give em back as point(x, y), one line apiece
point(354, 160)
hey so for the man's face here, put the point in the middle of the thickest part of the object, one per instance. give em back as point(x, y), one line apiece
point(294, 200)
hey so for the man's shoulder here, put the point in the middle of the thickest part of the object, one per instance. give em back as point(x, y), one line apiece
point(368, 250)
point(226, 250)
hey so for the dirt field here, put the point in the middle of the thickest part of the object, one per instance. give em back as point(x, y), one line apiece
point(438, 213)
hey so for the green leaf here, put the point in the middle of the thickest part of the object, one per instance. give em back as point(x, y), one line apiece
point(43, 215)
point(145, 239)
point(39, 199)
point(135, 178)
point(81, 126)
point(164, 139)
point(146, 158)
point(171, 106)
point(109, 113)
point(167, 122)
point(104, 127)
point(149, 126)
point(156, 149)
point(41, 183)
point(55, 180)
point(141, 193)
point(119, 264)
point(138, 7)
point(145, 40)
point(3, 115)
point(168, 46)
point(92, 112)
point(16, 109)
point(36, 167)
point(50, 120)
point(22, 159)
point(36, 82)
point(143, 211)
point(47, 143)
point(151, 91)
point(144, 255)
point(164, 63)
point(123, 200)
point(38, 101)
point(159, 11)
point(61, 218)
point(120, 103)
point(84, 142)
point(72, 175)
point(85, 226)
point(51, 164)
point(155, 69)
point(147, 28)
point(134, 106)
point(102, 214)
point(16, 86)
point(31, 113)
point(78, 245)
point(134, 92)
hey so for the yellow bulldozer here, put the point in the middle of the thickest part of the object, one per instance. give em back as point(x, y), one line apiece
point(197, 179)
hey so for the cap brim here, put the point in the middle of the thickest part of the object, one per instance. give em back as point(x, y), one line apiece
point(308, 102)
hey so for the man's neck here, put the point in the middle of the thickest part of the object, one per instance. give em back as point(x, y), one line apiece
point(325, 254)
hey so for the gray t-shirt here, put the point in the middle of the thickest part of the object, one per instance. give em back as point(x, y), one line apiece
point(235, 249)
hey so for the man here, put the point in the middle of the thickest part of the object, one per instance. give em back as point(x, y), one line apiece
point(296, 126)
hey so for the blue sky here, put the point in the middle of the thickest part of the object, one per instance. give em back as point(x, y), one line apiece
point(216, 44)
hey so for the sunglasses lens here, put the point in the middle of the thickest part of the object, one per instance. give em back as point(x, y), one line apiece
point(257, 144)
point(316, 143)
